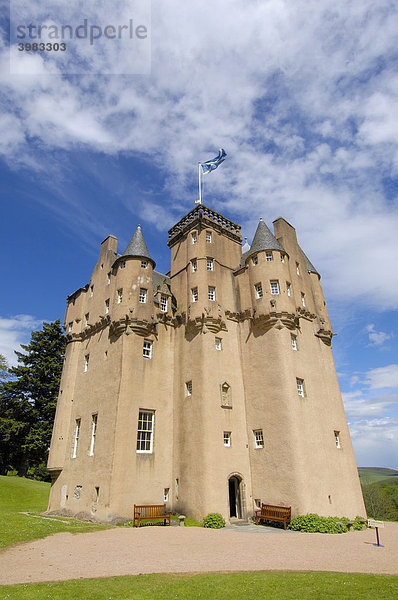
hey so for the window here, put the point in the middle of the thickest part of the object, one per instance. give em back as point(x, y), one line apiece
point(142, 296)
point(208, 237)
point(145, 431)
point(255, 260)
point(163, 303)
point(177, 488)
point(70, 326)
point(227, 439)
point(300, 387)
point(274, 287)
point(293, 339)
point(108, 280)
point(282, 258)
point(194, 236)
point(337, 439)
point(119, 296)
point(297, 268)
point(268, 256)
point(86, 359)
point(210, 264)
point(257, 502)
point(226, 396)
point(194, 294)
point(303, 299)
point(258, 438)
point(106, 355)
point(212, 293)
point(147, 349)
point(144, 264)
point(218, 344)
point(188, 388)
point(107, 306)
point(91, 291)
point(93, 433)
point(194, 265)
point(122, 264)
point(259, 290)
point(76, 438)
point(86, 318)
point(288, 289)
point(166, 494)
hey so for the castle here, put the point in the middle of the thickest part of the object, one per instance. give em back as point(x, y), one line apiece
point(211, 388)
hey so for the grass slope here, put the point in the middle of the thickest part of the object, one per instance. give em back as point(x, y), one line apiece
point(24, 495)
point(239, 586)
point(377, 474)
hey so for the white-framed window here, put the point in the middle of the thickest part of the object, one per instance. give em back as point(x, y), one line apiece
point(255, 260)
point(259, 290)
point(147, 349)
point(76, 438)
point(288, 289)
point(146, 420)
point(195, 296)
point(297, 268)
point(293, 339)
point(303, 299)
point(86, 319)
point(86, 360)
point(218, 342)
point(268, 256)
point(163, 303)
point(282, 257)
point(144, 264)
point(70, 327)
point(94, 419)
point(166, 492)
point(258, 438)
point(108, 278)
point(227, 439)
point(300, 387)
point(211, 293)
point(188, 388)
point(210, 264)
point(120, 295)
point(194, 265)
point(107, 305)
point(91, 291)
point(194, 237)
point(142, 296)
point(208, 237)
point(274, 285)
point(337, 439)
point(122, 264)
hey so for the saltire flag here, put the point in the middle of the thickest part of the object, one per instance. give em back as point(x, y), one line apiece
point(212, 164)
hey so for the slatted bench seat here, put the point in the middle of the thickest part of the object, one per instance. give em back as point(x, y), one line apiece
point(269, 512)
point(144, 512)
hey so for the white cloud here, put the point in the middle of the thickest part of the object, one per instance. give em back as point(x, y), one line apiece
point(383, 377)
point(358, 405)
point(14, 331)
point(375, 442)
point(377, 338)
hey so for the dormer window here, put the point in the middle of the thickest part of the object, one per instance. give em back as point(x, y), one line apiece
point(208, 237)
point(144, 264)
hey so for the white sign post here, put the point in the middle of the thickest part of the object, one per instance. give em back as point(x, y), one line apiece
point(376, 525)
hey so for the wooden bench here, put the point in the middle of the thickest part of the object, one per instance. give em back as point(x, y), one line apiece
point(270, 512)
point(143, 512)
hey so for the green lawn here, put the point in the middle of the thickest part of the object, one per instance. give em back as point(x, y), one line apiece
point(24, 495)
point(236, 586)
point(370, 475)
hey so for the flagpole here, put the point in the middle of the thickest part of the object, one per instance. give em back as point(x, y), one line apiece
point(200, 184)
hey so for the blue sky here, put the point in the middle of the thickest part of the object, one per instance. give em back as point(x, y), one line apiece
point(302, 95)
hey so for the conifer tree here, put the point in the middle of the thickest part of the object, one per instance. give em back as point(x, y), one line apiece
point(28, 401)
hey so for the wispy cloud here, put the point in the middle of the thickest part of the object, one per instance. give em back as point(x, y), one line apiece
point(376, 441)
point(14, 331)
point(383, 377)
point(377, 338)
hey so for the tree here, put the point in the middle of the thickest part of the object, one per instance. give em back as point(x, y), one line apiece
point(28, 401)
point(4, 370)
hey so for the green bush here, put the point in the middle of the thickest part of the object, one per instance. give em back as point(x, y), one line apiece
point(313, 523)
point(357, 526)
point(214, 521)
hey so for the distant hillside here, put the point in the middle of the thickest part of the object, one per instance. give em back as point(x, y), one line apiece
point(380, 492)
point(369, 475)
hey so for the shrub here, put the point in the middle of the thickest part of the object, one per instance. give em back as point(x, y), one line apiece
point(214, 521)
point(313, 523)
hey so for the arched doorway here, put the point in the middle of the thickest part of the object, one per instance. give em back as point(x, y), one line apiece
point(235, 500)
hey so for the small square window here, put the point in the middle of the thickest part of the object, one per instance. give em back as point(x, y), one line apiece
point(86, 360)
point(70, 327)
point(86, 318)
point(108, 278)
point(209, 264)
point(194, 237)
point(303, 299)
point(91, 291)
point(147, 349)
point(163, 303)
point(268, 256)
point(337, 439)
point(212, 293)
point(195, 296)
point(282, 258)
point(194, 265)
point(107, 306)
point(227, 439)
point(122, 264)
point(300, 387)
point(258, 438)
point(208, 237)
point(144, 264)
point(218, 344)
point(142, 296)
point(188, 388)
point(297, 268)
point(259, 290)
point(288, 289)
point(119, 296)
point(274, 287)
point(293, 339)
point(255, 260)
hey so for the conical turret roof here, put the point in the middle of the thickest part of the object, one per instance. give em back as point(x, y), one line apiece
point(264, 240)
point(137, 246)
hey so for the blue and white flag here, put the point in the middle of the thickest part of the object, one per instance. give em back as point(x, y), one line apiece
point(212, 164)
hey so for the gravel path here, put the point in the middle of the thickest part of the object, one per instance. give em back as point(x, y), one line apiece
point(125, 551)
